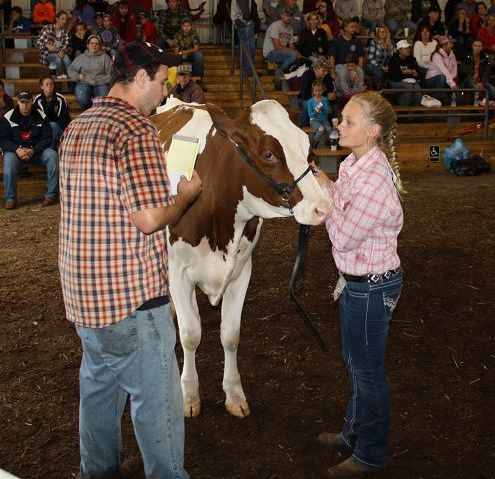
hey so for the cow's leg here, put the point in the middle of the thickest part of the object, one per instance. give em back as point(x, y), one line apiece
point(186, 307)
point(233, 301)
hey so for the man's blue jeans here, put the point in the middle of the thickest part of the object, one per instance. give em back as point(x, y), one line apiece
point(246, 34)
point(198, 63)
point(133, 358)
point(365, 313)
point(282, 58)
point(12, 164)
point(60, 64)
point(404, 99)
point(85, 93)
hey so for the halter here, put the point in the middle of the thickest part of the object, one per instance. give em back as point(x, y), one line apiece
point(285, 190)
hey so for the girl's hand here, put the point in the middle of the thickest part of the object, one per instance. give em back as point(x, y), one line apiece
point(321, 178)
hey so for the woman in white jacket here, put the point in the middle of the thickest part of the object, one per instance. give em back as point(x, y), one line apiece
point(424, 46)
point(91, 70)
point(442, 71)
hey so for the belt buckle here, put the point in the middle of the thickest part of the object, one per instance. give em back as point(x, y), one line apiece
point(388, 274)
point(375, 278)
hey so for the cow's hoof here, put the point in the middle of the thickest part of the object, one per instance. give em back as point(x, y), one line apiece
point(192, 409)
point(240, 410)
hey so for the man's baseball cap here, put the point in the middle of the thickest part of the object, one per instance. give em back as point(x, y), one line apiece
point(185, 68)
point(136, 55)
point(323, 64)
point(25, 96)
point(403, 44)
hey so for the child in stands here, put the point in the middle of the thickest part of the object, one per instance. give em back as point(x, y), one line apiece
point(109, 35)
point(318, 110)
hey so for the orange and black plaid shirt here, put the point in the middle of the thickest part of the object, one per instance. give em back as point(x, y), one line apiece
point(111, 165)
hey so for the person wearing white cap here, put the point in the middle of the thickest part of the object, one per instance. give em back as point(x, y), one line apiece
point(403, 72)
point(442, 71)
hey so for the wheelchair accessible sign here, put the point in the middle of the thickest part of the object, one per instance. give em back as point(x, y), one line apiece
point(434, 153)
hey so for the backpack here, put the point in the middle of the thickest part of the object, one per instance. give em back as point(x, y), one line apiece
point(476, 165)
point(454, 153)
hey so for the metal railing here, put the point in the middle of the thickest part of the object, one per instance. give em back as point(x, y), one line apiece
point(448, 111)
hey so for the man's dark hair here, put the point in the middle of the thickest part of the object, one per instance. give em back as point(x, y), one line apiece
point(127, 76)
point(45, 77)
point(17, 10)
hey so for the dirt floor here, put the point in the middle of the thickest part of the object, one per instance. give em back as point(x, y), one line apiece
point(441, 357)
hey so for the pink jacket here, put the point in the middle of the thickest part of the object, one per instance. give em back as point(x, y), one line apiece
point(443, 64)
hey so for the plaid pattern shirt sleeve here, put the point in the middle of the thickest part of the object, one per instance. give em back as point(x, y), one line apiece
point(367, 216)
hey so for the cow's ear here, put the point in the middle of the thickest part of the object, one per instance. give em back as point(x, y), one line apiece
point(225, 126)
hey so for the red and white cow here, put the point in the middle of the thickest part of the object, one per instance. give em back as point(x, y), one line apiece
point(211, 245)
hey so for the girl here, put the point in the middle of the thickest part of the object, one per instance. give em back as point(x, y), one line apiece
point(460, 31)
point(53, 42)
point(318, 109)
point(109, 35)
point(424, 46)
point(478, 19)
point(329, 20)
point(379, 52)
point(475, 70)
point(78, 40)
point(363, 228)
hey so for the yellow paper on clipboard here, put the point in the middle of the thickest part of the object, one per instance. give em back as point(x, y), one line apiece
point(181, 158)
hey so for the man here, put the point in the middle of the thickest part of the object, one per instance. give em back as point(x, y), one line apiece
point(343, 46)
point(187, 89)
point(115, 203)
point(403, 72)
point(26, 137)
point(186, 44)
point(244, 14)
point(54, 106)
point(433, 23)
point(297, 21)
point(169, 23)
point(318, 72)
point(397, 16)
point(279, 43)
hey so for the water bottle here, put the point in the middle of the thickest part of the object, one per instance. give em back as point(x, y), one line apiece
point(453, 102)
point(334, 135)
point(476, 98)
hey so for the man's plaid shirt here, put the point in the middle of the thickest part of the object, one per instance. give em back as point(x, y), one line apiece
point(111, 165)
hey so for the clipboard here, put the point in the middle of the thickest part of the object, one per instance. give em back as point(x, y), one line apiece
point(181, 159)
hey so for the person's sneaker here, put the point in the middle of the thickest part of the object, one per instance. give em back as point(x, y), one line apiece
point(349, 468)
point(331, 440)
point(10, 205)
point(63, 76)
point(48, 201)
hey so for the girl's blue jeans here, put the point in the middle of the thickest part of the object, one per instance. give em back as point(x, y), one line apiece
point(365, 313)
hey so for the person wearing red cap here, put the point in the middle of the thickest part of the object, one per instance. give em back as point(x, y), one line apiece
point(115, 204)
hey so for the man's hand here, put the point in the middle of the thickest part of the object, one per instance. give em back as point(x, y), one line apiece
point(188, 191)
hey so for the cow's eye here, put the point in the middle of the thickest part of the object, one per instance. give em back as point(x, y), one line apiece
point(267, 155)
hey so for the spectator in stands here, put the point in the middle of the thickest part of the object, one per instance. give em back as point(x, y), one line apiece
point(169, 23)
point(54, 43)
point(450, 9)
point(442, 71)
point(460, 31)
point(424, 46)
point(278, 45)
point(187, 89)
point(99, 20)
point(403, 73)
point(420, 9)
point(26, 137)
point(309, 6)
point(186, 44)
point(397, 16)
point(79, 40)
point(318, 72)
point(329, 20)
point(44, 12)
point(268, 7)
point(343, 46)
point(318, 111)
point(297, 20)
point(110, 39)
point(193, 13)
point(245, 16)
point(313, 42)
point(478, 19)
point(125, 22)
point(6, 102)
point(378, 54)
point(373, 14)
point(148, 29)
point(17, 23)
point(83, 12)
point(469, 6)
point(351, 80)
point(433, 22)
point(54, 106)
point(99, 6)
point(474, 71)
point(487, 34)
point(91, 70)
point(346, 9)
point(140, 6)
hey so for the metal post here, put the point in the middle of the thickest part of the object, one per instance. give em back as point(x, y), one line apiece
point(232, 49)
point(241, 70)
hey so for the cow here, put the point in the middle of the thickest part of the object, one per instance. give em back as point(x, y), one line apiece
point(252, 168)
